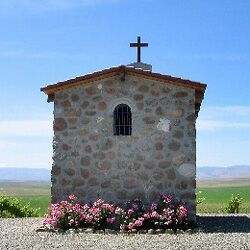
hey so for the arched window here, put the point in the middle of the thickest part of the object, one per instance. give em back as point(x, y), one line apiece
point(122, 120)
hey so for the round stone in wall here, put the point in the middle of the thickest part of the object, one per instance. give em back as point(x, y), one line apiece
point(75, 97)
point(179, 159)
point(140, 105)
point(85, 161)
point(174, 145)
point(138, 97)
point(107, 144)
point(102, 105)
point(178, 134)
point(69, 171)
point(143, 88)
point(165, 90)
point(90, 90)
point(66, 104)
point(159, 146)
point(84, 104)
point(159, 111)
point(187, 170)
point(176, 113)
point(88, 149)
point(85, 173)
point(85, 120)
point(164, 164)
point(180, 94)
point(148, 120)
point(60, 124)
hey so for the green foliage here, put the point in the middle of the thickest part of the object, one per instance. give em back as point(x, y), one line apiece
point(12, 207)
point(39, 201)
point(234, 204)
point(199, 199)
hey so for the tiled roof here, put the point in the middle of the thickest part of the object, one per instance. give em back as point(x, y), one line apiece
point(123, 70)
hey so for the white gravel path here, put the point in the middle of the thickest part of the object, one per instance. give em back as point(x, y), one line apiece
point(217, 232)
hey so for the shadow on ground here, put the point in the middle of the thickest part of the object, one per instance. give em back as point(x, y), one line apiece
point(224, 224)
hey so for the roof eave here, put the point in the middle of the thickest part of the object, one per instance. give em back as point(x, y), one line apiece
point(99, 75)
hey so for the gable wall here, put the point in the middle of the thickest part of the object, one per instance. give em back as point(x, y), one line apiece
point(90, 162)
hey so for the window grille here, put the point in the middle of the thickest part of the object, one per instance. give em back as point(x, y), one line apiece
point(122, 120)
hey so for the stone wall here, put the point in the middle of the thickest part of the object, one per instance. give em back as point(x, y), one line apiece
point(90, 162)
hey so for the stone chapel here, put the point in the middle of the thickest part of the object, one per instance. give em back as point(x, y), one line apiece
point(123, 133)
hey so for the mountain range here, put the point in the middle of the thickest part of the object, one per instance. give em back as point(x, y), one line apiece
point(25, 174)
point(232, 172)
point(203, 173)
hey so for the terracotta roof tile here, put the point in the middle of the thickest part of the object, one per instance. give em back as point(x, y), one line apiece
point(105, 73)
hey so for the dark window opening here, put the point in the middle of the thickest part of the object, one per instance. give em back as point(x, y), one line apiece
point(122, 120)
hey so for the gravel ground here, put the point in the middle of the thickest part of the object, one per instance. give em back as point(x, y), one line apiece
point(215, 232)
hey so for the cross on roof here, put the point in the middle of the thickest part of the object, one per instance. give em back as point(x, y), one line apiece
point(138, 45)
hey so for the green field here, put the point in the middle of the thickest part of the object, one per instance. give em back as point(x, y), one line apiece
point(216, 197)
point(36, 194)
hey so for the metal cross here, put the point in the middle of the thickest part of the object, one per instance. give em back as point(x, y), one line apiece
point(138, 45)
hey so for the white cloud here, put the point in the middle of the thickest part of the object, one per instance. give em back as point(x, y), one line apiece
point(215, 124)
point(7, 145)
point(219, 117)
point(227, 110)
point(3, 165)
point(26, 128)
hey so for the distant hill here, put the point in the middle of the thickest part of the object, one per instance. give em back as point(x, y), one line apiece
point(203, 173)
point(25, 174)
point(232, 172)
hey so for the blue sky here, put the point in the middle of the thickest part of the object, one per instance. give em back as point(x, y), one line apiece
point(45, 41)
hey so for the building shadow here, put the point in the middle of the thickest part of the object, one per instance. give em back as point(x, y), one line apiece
point(224, 224)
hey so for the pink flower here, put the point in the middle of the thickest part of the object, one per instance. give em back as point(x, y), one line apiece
point(182, 212)
point(89, 218)
point(50, 222)
point(130, 211)
point(153, 207)
point(98, 203)
point(96, 211)
point(155, 214)
point(118, 210)
point(135, 206)
point(147, 216)
point(111, 220)
point(108, 207)
point(138, 223)
point(169, 199)
point(77, 208)
point(72, 197)
point(59, 214)
point(85, 207)
point(122, 227)
point(53, 206)
point(130, 225)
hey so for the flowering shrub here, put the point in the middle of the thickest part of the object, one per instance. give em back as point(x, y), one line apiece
point(69, 214)
point(167, 213)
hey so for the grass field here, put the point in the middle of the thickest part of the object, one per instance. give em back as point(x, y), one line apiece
point(36, 194)
point(216, 196)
